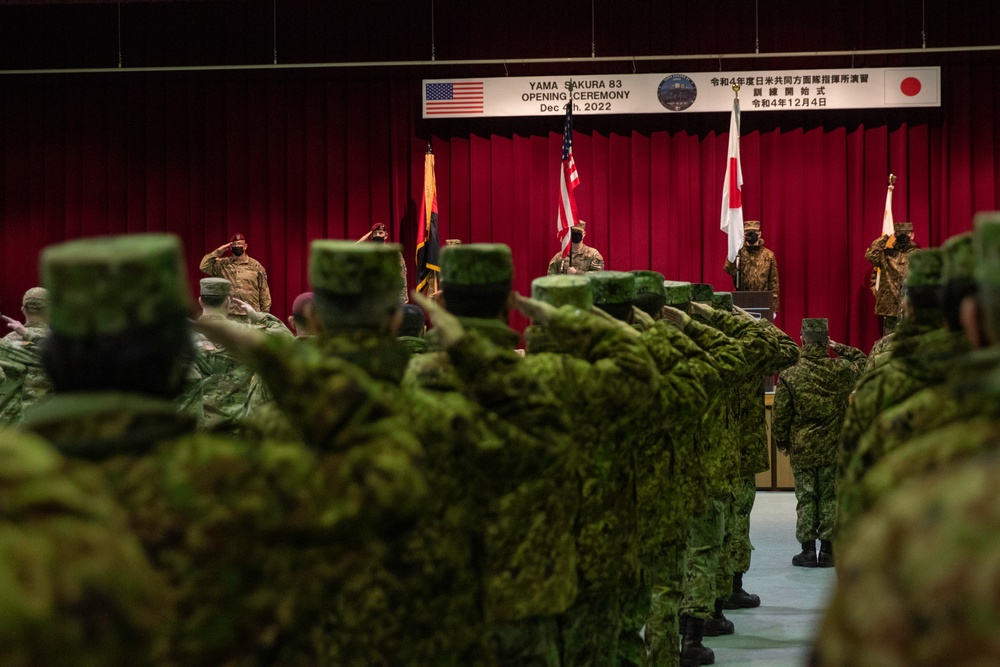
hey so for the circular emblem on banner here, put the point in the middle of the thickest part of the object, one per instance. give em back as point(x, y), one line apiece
point(677, 92)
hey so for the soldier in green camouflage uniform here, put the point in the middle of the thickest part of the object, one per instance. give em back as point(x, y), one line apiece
point(254, 541)
point(959, 393)
point(918, 360)
point(76, 588)
point(226, 383)
point(435, 612)
point(809, 406)
point(766, 359)
point(607, 383)
point(697, 354)
point(529, 574)
point(926, 551)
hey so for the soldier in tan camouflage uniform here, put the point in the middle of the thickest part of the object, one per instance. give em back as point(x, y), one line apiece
point(915, 586)
point(891, 255)
point(755, 269)
point(582, 258)
point(809, 406)
point(247, 275)
point(28, 382)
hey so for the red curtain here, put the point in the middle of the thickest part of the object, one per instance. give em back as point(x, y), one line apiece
point(287, 157)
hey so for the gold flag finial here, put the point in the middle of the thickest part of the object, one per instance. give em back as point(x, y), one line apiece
point(736, 90)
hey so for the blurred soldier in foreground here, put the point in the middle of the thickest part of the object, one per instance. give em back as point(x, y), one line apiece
point(915, 578)
point(246, 536)
point(809, 406)
point(26, 382)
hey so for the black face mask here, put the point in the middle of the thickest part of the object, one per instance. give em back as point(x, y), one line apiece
point(576, 237)
point(902, 239)
point(378, 239)
point(237, 250)
point(752, 237)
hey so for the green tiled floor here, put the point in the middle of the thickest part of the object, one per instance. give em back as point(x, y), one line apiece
point(778, 633)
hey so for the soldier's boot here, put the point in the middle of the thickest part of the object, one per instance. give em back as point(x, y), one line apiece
point(739, 598)
point(693, 652)
point(718, 624)
point(808, 556)
point(825, 557)
point(682, 624)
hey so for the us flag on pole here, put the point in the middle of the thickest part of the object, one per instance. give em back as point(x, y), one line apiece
point(445, 98)
point(732, 196)
point(568, 180)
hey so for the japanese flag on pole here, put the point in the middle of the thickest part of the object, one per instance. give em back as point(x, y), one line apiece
point(888, 228)
point(732, 198)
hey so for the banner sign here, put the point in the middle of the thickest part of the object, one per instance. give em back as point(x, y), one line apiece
point(779, 90)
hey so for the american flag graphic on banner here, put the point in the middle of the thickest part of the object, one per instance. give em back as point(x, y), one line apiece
point(453, 98)
point(568, 180)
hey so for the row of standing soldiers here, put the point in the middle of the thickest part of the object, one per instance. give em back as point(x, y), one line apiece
point(918, 515)
point(585, 503)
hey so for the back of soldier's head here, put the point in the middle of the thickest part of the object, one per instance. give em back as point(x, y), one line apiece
point(119, 310)
point(815, 330)
point(35, 304)
point(413, 320)
point(986, 252)
point(922, 289)
point(649, 294)
point(476, 279)
point(558, 290)
point(678, 294)
point(614, 292)
point(355, 286)
point(959, 278)
point(214, 291)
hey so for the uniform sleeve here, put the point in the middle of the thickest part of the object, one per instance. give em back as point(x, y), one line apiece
point(759, 347)
point(209, 265)
point(784, 413)
point(730, 268)
point(725, 353)
point(596, 262)
point(854, 356)
point(264, 291)
point(271, 325)
point(786, 351)
point(876, 253)
point(554, 265)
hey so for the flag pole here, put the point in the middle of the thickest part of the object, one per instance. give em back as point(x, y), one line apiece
point(736, 92)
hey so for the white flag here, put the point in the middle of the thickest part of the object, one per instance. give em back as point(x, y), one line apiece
point(732, 187)
point(888, 227)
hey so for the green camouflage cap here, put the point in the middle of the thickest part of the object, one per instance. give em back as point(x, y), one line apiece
point(562, 290)
point(678, 293)
point(107, 285)
point(902, 228)
point(925, 268)
point(815, 327)
point(986, 249)
point(472, 264)
point(648, 282)
point(354, 269)
point(215, 287)
point(612, 287)
point(723, 301)
point(701, 292)
point(36, 298)
point(958, 260)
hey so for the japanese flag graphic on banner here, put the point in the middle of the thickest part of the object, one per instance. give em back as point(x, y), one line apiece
point(732, 196)
point(913, 86)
